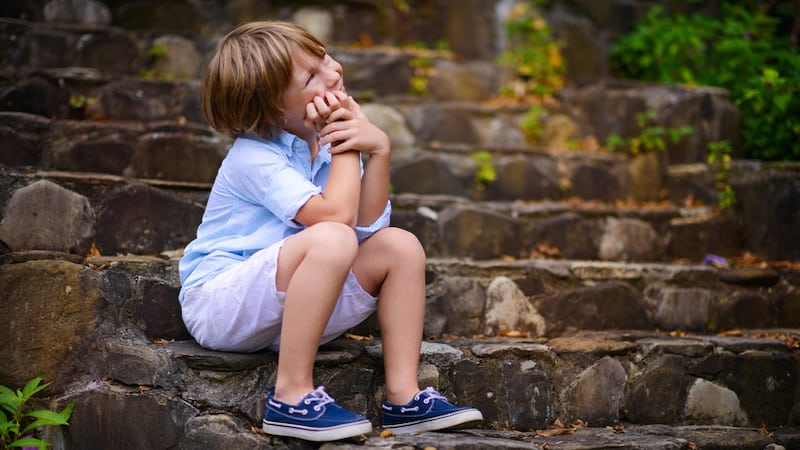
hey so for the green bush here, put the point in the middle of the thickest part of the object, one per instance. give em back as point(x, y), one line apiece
point(741, 50)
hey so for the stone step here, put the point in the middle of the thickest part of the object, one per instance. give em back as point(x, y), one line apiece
point(451, 226)
point(149, 216)
point(532, 342)
point(105, 73)
point(120, 215)
point(120, 351)
point(716, 384)
point(170, 153)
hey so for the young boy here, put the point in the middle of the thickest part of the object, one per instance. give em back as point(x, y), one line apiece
point(294, 247)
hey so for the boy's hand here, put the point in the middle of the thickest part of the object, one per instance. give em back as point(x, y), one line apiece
point(320, 108)
point(346, 127)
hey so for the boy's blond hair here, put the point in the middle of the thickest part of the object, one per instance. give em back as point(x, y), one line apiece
point(248, 75)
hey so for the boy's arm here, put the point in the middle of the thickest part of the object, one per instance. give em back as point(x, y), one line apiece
point(339, 201)
point(374, 187)
point(349, 129)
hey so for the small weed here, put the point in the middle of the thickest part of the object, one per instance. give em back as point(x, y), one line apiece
point(533, 53)
point(17, 426)
point(79, 101)
point(484, 171)
point(423, 67)
point(157, 51)
point(651, 137)
point(719, 158)
point(531, 124)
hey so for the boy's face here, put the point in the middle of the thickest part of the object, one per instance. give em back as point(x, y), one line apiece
point(311, 77)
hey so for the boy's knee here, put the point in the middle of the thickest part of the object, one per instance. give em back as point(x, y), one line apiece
point(335, 237)
point(402, 242)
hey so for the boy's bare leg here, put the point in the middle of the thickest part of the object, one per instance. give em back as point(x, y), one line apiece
point(391, 264)
point(312, 267)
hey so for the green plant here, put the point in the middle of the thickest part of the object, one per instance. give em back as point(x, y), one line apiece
point(78, 101)
point(18, 426)
point(739, 49)
point(484, 170)
point(573, 144)
point(651, 137)
point(531, 123)
point(719, 158)
point(157, 51)
point(422, 66)
point(533, 53)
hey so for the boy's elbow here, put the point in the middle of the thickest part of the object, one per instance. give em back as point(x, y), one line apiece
point(348, 219)
point(318, 209)
point(339, 216)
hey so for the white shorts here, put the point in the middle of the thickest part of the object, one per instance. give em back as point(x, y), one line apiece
point(241, 310)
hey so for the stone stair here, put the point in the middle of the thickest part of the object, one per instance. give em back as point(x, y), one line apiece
point(568, 299)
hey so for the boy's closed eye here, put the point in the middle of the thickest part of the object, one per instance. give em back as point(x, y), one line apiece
point(325, 61)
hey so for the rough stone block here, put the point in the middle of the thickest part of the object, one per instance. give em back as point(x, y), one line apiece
point(45, 216)
point(47, 323)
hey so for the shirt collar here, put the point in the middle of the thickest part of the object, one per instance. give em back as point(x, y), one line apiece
point(288, 143)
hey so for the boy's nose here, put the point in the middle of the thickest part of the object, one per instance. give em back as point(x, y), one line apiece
point(335, 72)
point(335, 76)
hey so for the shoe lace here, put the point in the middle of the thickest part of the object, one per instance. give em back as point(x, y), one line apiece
point(318, 397)
point(430, 394)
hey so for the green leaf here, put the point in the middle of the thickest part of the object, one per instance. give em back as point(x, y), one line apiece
point(67, 411)
point(44, 418)
point(47, 417)
point(5, 427)
point(10, 401)
point(782, 102)
point(32, 387)
point(29, 442)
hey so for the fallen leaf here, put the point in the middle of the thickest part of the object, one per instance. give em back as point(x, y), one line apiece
point(730, 333)
point(514, 334)
point(386, 433)
point(550, 432)
point(356, 337)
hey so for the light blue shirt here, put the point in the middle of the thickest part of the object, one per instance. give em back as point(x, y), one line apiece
point(258, 190)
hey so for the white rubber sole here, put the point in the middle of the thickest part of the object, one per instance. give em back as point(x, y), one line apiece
point(439, 423)
point(317, 434)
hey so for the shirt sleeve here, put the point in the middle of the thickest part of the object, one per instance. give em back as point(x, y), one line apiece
point(381, 222)
point(265, 174)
